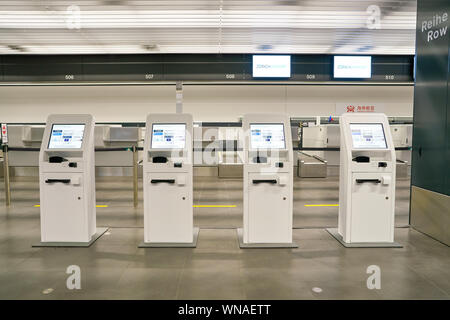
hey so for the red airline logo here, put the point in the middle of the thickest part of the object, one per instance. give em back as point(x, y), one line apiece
point(351, 108)
point(4, 133)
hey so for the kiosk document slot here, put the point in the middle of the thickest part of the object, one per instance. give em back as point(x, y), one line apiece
point(67, 182)
point(367, 182)
point(168, 182)
point(268, 181)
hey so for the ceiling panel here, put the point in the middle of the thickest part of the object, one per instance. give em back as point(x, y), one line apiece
point(212, 26)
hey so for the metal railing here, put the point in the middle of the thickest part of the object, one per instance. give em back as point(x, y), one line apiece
point(6, 167)
point(216, 146)
point(6, 175)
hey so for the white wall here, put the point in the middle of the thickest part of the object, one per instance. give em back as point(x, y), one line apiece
point(205, 102)
point(320, 100)
point(106, 103)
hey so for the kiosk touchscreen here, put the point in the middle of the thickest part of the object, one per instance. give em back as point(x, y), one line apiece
point(168, 182)
point(367, 181)
point(169, 136)
point(267, 136)
point(268, 181)
point(67, 181)
point(368, 136)
point(66, 136)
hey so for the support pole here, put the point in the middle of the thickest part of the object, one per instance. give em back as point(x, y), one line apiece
point(135, 176)
point(6, 175)
point(179, 97)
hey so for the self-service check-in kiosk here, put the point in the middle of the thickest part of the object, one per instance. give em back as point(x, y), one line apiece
point(367, 182)
point(67, 182)
point(168, 182)
point(268, 181)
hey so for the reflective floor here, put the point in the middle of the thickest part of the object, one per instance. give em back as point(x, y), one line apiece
point(114, 268)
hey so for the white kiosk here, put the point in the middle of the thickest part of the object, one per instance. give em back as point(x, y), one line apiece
point(168, 182)
point(367, 182)
point(268, 182)
point(67, 182)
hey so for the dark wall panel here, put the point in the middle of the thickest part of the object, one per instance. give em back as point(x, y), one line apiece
point(430, 134)
point(1, 68)
point(42, 68)
point(392, 68)
point(447, 156)
point(123, 68)
point(173, 67)
point(430, 190)
point(203, 67)
point(311, 68)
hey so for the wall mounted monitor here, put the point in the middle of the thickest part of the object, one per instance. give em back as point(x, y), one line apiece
point(368, 136)
point(168, 136)
point(352, 67)
point(267, 136)
point(271, 66)
point(66, 136)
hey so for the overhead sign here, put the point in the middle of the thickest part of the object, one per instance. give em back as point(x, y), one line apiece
point(352, 67)
point(4, 133)
point(342, 108)
point(436, 27)
point(271, 66)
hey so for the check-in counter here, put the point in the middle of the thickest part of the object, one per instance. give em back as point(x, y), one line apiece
point(205, 158)
point(1, 167)
point(311, 166)
point(230, 164)
point(402, 137)
point(295, 132)
point(402, 169)
point(24, 136)
point(315, 136)
point(108, 138)
point(333, 141)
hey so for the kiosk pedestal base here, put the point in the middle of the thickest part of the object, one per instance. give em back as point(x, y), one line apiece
point(334, 232)
point(243, 245)
point(98, 234)
point(192, 244)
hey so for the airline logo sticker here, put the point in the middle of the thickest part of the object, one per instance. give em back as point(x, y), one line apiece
point(342, 108)
point(4, 133)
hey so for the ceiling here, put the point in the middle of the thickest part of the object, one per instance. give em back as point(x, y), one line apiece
point(209, 26)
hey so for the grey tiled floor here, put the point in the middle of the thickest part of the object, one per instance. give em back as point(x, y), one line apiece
point(114, 268)
point(118, 195)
